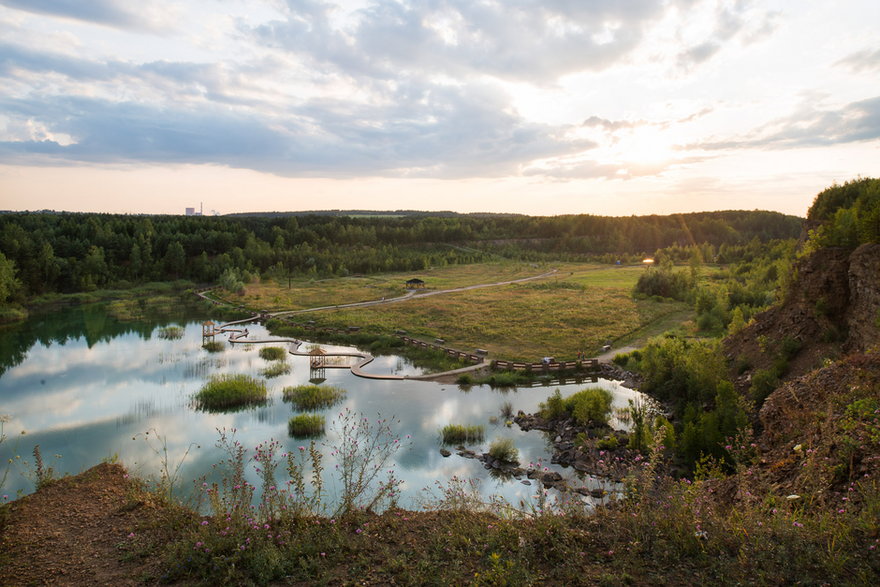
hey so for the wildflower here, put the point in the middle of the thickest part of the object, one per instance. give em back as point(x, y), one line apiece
point(204, 522)
point(797, 524)
point(323, 554)
point(131, 535)
point(358, 531)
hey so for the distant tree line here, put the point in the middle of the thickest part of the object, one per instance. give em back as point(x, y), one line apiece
point(68, 252)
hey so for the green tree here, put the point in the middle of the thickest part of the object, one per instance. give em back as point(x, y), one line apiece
point(175, 259)
point(9, 284)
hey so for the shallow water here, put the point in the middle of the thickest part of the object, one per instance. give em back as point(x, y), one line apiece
point(85, 387)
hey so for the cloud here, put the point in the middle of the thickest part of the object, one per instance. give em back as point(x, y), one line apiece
point(15, 58)
point(855, 122)
point(611, 125)
point(731, 21)
point(523, 40)
point(862, 61)
point(116, 13)
point(457, 132)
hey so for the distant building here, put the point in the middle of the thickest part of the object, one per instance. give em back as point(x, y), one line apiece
point(192, 211)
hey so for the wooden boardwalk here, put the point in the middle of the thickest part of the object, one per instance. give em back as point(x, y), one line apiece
point(240, 336)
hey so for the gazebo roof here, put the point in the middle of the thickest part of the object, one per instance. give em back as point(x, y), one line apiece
point(317, 351)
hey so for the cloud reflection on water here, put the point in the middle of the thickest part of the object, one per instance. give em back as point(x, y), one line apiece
point(87, 402)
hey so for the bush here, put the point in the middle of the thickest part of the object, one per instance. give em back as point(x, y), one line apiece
point(273, 353)
point(764, 381)
point(607, 443)
point(460, 434)
point(665, 283)
point(306, 425)
point(591, 405)
point(502, 449)
point(313, 397)
point(554, 408)
point(229, 392)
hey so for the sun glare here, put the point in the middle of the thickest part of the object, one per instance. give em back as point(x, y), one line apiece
point(645, 146)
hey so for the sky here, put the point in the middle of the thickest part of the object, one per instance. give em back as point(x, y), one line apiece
point(541, 107)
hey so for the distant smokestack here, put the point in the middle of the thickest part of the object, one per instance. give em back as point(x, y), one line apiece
point(201, 208)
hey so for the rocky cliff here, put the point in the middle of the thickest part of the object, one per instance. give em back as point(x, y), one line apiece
point(832, 309)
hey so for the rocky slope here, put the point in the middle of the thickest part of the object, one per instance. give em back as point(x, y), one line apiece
point(818, 431)
point(832, 309)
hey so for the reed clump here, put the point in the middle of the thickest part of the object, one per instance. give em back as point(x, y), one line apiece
point(276, 369)
point(306, 425)
point(462, 434)
point(313, 397)
point(503, 449)
point(273, 353)
point(170, 333)
point(227, 392)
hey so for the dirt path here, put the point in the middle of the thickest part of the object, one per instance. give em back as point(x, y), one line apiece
point(75, 532)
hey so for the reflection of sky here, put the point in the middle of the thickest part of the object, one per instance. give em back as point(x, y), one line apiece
point(88, 404)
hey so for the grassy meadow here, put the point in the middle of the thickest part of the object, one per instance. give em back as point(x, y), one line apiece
point(580, 308)
point(275, 296)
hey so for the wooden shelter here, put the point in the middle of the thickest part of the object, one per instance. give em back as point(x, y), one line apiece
point(415, 283)
point(208, 330)
point(317, 358)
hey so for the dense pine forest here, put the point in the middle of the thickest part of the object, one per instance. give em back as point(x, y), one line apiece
point(65, 252)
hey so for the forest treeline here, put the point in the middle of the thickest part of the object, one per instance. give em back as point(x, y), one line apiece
point(69, 252)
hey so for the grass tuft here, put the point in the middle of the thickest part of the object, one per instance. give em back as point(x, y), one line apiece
point(306, 425)
point(213, 346)
point(273, 353)
point(170, 333)
point(461, 434)
point(503, 449)
point(276, 369)
point(313, 397)
point(230, 392)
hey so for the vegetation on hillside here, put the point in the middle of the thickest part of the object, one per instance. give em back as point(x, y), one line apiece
point(846, 215)
point(66, 252)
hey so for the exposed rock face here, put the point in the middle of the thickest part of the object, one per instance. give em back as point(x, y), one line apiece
point(833, 306)
point(863, 315)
